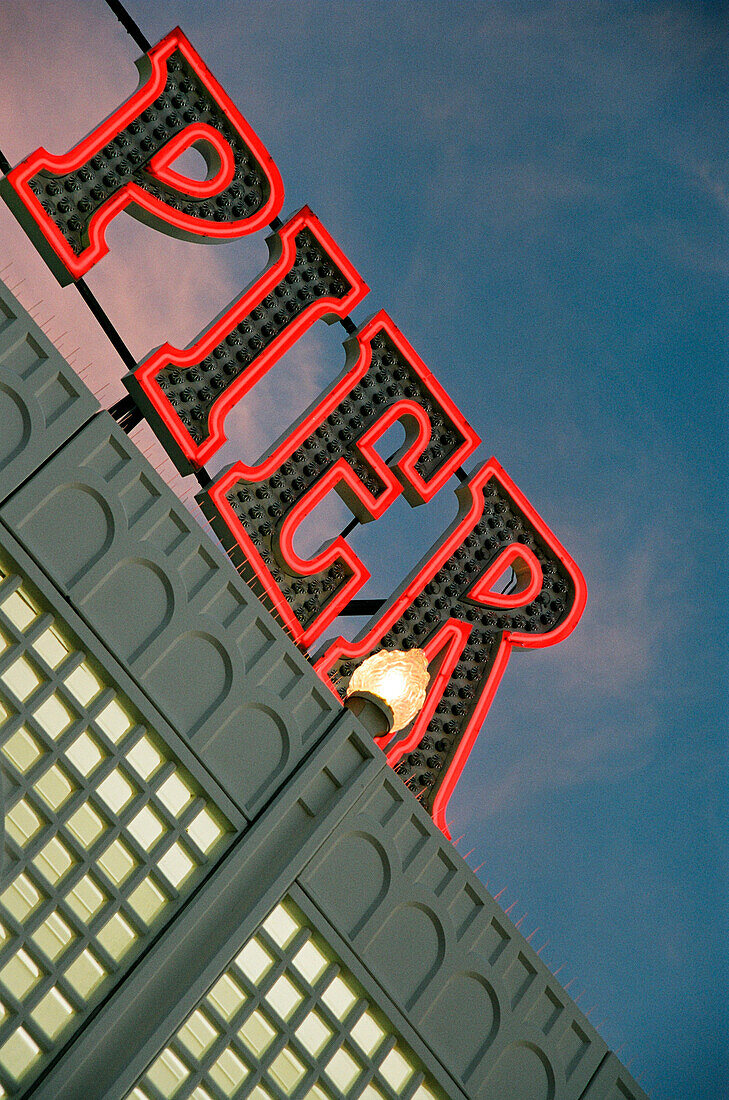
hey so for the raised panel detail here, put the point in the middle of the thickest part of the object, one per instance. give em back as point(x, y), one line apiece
point(415, 930)
point(448, 956)
point(42, 400)
point(468, 1033)
point(522, 1072)
point(168, 603)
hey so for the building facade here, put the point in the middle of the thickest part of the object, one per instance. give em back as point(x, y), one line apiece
point(213, 885)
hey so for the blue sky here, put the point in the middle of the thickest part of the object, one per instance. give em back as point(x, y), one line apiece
point(538, 194)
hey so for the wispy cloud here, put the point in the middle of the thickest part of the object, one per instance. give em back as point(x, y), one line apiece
point(595, 711)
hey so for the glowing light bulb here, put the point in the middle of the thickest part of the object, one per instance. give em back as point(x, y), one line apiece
point(395, 677)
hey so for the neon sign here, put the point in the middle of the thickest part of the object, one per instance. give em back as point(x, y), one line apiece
point(256, 510)
point(66, 202)
point(450, 609)
point(186, 394)
point(451, 606)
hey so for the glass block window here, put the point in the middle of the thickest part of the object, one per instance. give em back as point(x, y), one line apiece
point(105, 832)
point(286, 1021)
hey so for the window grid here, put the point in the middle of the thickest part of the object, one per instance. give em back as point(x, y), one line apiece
point(104, 831)
point(286, 1021)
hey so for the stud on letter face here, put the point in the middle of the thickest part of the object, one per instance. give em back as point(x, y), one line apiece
point(66, 202)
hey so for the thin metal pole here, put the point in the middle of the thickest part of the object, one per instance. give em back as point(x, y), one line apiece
point(105, 322)
point(126, 413)
point(362, 607)
point(129, 24)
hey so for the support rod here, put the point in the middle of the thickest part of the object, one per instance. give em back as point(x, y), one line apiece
point(362, 607)
point(129, 24)
point(126, 413)
point(106, 324)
